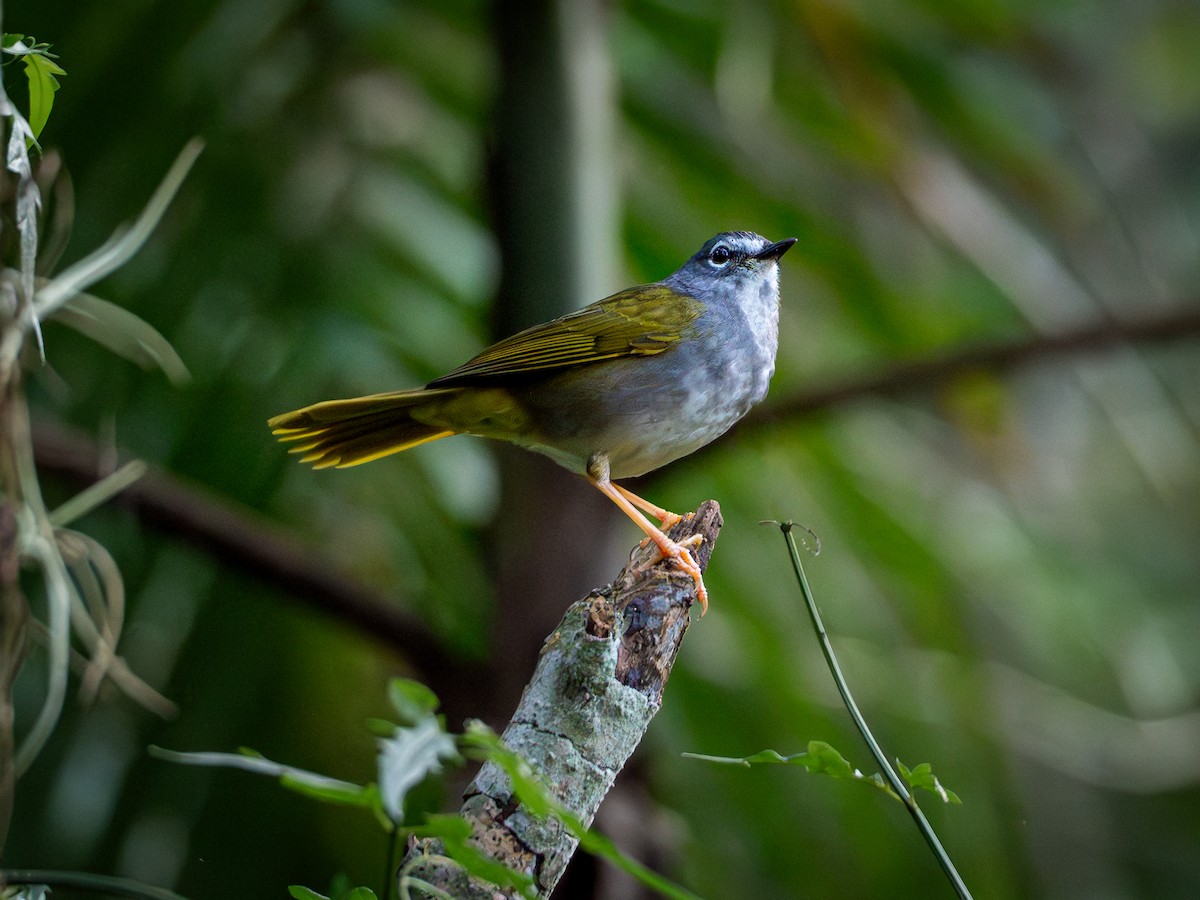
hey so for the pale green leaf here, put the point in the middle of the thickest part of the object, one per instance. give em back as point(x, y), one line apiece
point(311, 784)
point(97, 494)
point(412, 700)
point(121, 246)
point(124, 333)
point(41, 72)
point(410, 756)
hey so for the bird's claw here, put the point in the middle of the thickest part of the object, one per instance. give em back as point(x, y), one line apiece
point(681, 553)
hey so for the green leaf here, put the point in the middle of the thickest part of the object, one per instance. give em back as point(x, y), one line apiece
point(447, 827)
point(922, 777)
point(310, 784)
point(41, 72)
point(454, 832)
point(536, 798)
point(759, 758)
point(340, 890)
point(821, 758)
point(600, 845)
point(824, 759)
point(412, 700)
point(380, 728)
point(540, 801)
point(329, 790)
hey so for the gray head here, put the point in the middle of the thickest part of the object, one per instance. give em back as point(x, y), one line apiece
point(729, 264)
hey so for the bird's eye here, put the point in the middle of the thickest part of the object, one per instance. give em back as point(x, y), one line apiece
point(720, 255)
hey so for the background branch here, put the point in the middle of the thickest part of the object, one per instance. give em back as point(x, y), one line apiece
point(237, 537)
point(252, 545)
point(933, 371)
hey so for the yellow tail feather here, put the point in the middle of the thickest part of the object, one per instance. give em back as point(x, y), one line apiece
point(343, 433)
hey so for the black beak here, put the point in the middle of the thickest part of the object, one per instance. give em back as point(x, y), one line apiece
point(775, 250)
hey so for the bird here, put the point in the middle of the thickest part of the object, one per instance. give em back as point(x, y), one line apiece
point(616, 389)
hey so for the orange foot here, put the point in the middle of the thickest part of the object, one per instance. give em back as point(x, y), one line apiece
point(629, 502)
point(668, 519)
point(681, 553)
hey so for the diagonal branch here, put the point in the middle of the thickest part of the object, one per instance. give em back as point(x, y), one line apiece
point(598, 683)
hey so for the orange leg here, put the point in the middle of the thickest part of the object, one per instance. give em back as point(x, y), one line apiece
point(668, 518)
point(678, 551)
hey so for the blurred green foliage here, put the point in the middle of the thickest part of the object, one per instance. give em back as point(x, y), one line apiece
point(1009, 570)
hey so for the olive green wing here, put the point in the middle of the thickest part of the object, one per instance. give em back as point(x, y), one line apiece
point(640, 321)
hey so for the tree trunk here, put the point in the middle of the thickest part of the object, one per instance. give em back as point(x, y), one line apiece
point(555, 203)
